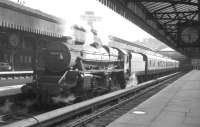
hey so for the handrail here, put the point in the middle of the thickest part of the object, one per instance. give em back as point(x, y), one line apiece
point(62, 78)
point(60, 114)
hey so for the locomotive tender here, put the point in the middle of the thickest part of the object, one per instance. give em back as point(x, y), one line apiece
point(76, 71)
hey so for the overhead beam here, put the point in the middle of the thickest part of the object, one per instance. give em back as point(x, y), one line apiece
point(171, 19)
point(176, 12)
point(188, 2)
point(163, 8)
point(169, 15)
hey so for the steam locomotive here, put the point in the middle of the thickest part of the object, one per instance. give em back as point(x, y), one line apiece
point(77, 71)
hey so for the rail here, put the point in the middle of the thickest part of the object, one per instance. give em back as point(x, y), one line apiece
point(10, 78)
point(61, 114)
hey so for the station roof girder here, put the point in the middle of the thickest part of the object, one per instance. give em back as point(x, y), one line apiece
point(160, 18)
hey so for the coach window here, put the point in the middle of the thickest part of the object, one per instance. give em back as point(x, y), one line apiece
point(149, 63)
point(153, 63)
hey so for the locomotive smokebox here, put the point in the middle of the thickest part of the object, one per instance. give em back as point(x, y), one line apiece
point(57, 57)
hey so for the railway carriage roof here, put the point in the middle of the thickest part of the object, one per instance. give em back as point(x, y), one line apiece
point(159, 58)
point(137, 56)
point(129, 43)
point(121, 50)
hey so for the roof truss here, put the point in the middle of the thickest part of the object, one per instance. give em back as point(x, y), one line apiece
point(164, 14)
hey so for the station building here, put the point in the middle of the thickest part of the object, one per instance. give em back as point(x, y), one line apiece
point(24, 32)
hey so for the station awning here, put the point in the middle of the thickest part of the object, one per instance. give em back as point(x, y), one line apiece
point(18, 17)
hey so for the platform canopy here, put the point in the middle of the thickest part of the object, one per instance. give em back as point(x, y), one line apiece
point(19, 17)
point(174, 22)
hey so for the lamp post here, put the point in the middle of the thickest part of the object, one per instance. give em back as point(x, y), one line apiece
point(90, 17)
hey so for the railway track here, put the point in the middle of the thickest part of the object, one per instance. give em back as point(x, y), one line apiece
point(106, 115)
point(96, 111)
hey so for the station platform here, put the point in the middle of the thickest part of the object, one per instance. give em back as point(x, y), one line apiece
point(178, 105)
